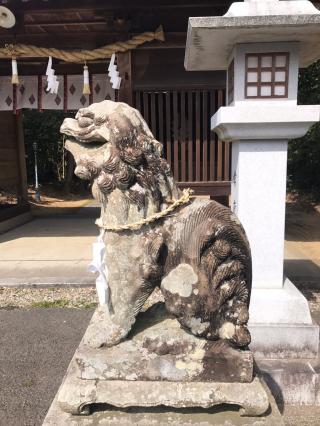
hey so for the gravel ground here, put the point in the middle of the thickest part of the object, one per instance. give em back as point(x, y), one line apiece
point(79, 297)
point(312, 293)
point(303, 415)
point(47, 297)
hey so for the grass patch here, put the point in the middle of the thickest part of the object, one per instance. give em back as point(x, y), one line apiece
point(87, 305)
point(59, 303)
point(28, 383)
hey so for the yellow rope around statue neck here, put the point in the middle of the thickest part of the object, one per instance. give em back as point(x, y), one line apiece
point(29, 51)
point(184, 199)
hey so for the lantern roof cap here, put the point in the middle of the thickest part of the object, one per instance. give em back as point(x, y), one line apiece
point(210, 40)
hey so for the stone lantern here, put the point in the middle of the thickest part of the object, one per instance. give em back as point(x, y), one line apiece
point(262, 44)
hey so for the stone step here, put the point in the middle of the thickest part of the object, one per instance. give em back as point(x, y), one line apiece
point(292, 381)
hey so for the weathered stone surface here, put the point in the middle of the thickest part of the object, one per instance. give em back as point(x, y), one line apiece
point(198, 255)
point(161, 365)
point(292, 382)
point(164, 416)
point(158, 349)
point(76, 395)
point(202, 54)
point(281, 341)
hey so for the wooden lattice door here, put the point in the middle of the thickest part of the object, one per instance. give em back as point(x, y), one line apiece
point(181, 121)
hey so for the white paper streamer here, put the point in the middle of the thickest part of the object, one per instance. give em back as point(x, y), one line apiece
point(98, 265)
point(15, 76)
point(115, 80)
point(49, 66)
point(14, 67)
point(85, 75)
point(86, 83)
point(52, 80)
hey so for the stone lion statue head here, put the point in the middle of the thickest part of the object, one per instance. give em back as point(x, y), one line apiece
point(114, 148)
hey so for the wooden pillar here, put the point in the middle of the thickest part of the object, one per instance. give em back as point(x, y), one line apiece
point(124, 64)
point(13, 176)
point(21, 154)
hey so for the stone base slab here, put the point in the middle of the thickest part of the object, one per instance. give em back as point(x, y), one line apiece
point(163, 416)
point(160, 364)
point(159, 349)
point(76, 395)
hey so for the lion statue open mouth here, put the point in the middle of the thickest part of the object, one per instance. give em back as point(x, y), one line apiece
point(199, 256)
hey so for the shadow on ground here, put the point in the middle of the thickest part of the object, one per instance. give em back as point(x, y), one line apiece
point(302, 222)
point(302, 272)
point(77, 223)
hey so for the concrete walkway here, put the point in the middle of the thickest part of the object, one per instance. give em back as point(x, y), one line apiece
point(56, 249)
point(50, 250)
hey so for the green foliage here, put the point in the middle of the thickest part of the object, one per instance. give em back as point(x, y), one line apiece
point(309, 85)
point(304, 163)
point(304, 153)
point(43, 128)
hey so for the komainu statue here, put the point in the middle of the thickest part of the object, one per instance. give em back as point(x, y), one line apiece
point(195, 250)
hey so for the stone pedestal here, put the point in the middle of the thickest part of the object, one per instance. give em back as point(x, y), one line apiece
point(161, 364)
point(280, 320)
point(258, 199)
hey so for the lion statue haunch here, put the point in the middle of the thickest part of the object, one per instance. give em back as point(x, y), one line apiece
point(198, 255)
